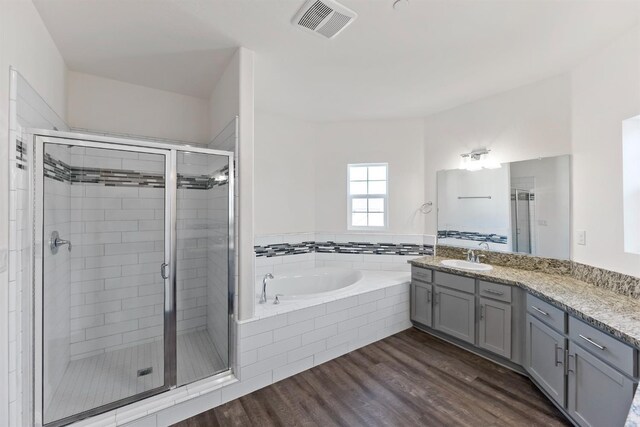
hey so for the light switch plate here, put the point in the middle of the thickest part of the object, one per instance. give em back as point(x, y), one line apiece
point(581, 237)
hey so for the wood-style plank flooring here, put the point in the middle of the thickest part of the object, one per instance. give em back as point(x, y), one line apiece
point(409, 379)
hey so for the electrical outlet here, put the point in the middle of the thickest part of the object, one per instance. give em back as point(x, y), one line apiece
point(581, 237)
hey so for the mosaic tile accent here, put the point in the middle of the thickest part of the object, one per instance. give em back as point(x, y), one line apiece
point(60, 171)
point(473, 236)
point(21, 154)
point(365, 248)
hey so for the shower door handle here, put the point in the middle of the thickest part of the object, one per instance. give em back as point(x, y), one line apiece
point(164, 270)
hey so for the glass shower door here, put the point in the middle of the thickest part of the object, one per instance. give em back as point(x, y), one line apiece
point(203, 230)
point(106, 294)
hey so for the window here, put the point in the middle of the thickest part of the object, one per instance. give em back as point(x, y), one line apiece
point(368, 195)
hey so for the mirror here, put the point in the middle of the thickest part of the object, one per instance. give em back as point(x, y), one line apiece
point(521, 207)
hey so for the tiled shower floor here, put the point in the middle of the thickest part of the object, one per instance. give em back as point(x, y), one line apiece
point(94, 381)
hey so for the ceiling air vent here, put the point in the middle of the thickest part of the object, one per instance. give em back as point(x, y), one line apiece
point(326, 18)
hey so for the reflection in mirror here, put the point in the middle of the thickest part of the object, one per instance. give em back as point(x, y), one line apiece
point(520, 207)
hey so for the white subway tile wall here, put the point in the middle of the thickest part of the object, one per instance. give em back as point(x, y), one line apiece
point(117, 294)
point(26, 110)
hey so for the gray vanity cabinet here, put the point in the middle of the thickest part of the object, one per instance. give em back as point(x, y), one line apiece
point(421, 303)
point(495, 327)
point(454, 313)
point(598, 395)
point(545, 349)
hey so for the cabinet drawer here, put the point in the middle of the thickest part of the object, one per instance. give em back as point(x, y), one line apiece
point(464, 284)
point(546, 312)
point(421, 274)
point(602, 345)
point(495, 291)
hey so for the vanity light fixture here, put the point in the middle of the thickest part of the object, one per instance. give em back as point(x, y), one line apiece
point(477, 160)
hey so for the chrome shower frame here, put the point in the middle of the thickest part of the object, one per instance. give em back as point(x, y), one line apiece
point(35, 330)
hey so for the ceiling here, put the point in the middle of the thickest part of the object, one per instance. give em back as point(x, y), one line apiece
point(430, 56)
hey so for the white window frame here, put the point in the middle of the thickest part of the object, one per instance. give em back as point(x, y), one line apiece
point(350, 198)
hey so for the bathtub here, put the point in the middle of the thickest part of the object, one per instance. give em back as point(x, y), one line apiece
point(307, 287)
point(311, 283)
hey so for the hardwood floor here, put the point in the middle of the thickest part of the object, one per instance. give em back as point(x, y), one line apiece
point(409, 379)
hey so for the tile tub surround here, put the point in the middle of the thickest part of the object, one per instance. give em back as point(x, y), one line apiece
point(612, 312)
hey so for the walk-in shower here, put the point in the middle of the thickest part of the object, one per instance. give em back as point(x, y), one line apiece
point(133, 272)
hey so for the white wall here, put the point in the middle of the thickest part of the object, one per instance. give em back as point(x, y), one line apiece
point(606, 91)
point(528, 122)
point(111, 106)
point(397, 142)
point(26, 45)
point(224, 102)
point(285, 170)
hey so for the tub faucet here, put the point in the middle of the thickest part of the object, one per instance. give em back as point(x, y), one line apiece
point(263, 296)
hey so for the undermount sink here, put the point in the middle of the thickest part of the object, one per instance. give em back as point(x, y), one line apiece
point(466, 265)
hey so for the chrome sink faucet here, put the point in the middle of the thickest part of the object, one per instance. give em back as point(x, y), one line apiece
point(471, 255)
point(263, 296)
point(486, 245)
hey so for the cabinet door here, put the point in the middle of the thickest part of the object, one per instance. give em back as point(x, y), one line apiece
point(544, 358)
point(598, 394)
point(421, 303)
point(495, 327)
point(455, 313)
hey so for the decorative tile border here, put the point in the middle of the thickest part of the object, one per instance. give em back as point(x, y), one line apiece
point(61, 171)
point(365, 248)
point(21, 154)
point(473, 236)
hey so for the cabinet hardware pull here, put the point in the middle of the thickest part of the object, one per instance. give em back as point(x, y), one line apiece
point(492, 291)
point(481, 312)
point(539, 311)
point(428, 296)
point(592, 342)
point(575, 366)
point(558, 362)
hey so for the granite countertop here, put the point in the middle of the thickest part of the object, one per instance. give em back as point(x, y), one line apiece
point(612, 312)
